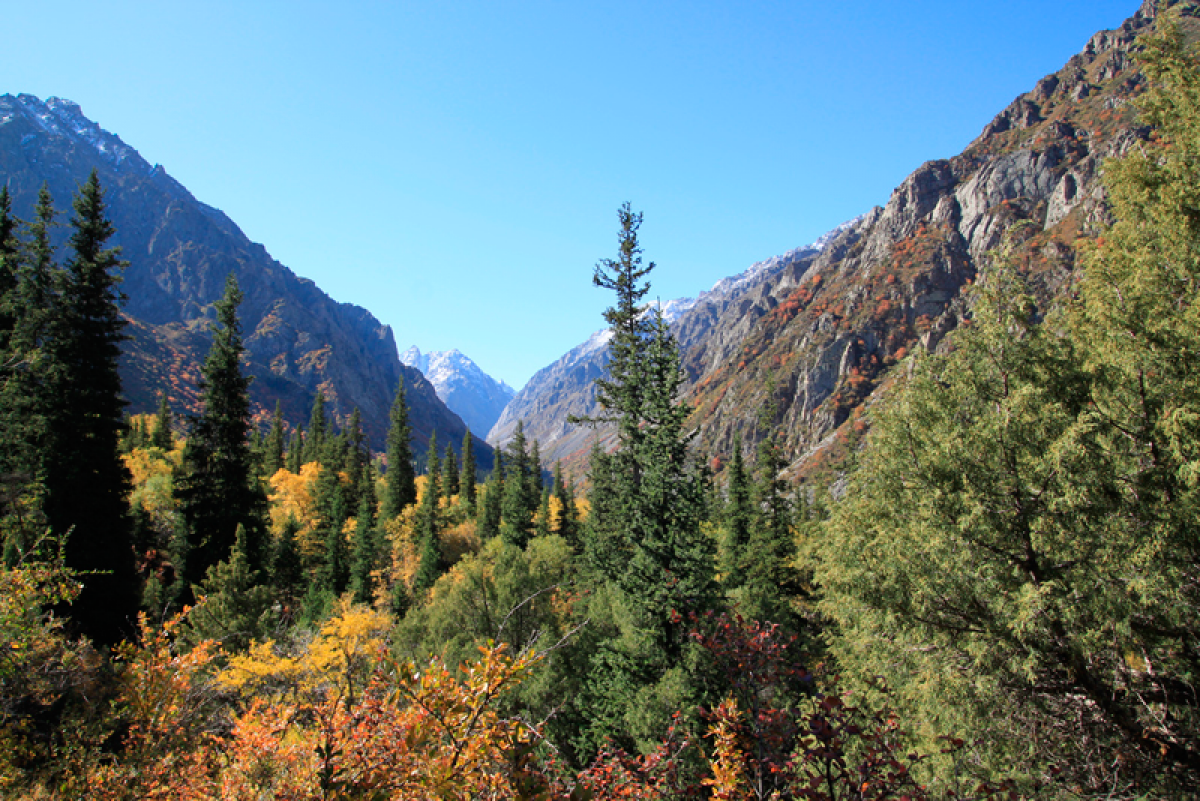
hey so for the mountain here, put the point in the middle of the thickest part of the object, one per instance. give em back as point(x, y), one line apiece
point(470, 393)
point(825, 338)
point(797, 346)
point(180, 251)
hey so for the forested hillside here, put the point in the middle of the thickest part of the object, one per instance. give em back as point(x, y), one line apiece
point(994, 593)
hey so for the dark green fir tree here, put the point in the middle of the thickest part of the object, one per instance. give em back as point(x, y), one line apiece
point(86, 482)
point(400, 481)
point(215, 485)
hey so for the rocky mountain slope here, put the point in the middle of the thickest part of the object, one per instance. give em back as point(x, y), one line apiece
point(826, 337)
point(180, 251)
point(470, 393)
point(798, 344)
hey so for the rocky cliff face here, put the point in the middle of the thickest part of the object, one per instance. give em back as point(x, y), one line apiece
point(824, 339)
point(799, 343)
point(470, 393)
point(180, 252)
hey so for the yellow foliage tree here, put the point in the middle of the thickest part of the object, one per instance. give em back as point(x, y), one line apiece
point(293, 496)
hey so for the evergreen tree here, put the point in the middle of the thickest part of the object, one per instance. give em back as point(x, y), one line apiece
point(428, 523)
point(85, 480)
point(521, 496)
point(644, 545)
point(365, 553)
point(490, 510)
point(567, 523)
point(295, 451)
point(215, 485)
point(273, 449)
point(236, 607)
point(466, 481)
point(400, 488)
point(163, 437)
point(10, 269)
point(318, 430)
point(541, 520)
point(333, 574)
point(287, 565)
point(450, 473)
point(771, 577)
point(658, 497)
point(734, 554)
point(28, 380)
point(356, 462)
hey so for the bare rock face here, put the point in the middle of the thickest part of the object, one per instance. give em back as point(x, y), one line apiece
point(895, 281)
point(180, 251)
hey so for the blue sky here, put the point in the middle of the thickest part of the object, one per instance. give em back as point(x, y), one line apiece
point(455, 167)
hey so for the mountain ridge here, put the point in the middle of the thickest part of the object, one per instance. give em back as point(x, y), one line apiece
point(180, 250)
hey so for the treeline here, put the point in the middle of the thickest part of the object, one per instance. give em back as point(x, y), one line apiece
point(1002, 602)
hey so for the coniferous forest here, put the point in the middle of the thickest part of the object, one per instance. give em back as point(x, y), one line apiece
point(999, 598)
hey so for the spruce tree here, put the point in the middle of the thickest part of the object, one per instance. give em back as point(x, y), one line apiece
point(237, 604)
point(466, 480)
point(567, 523)
point(318, 430)
point(364, 556)
point(645, 549)
point(450, 473)
point(295, 451)
point(162, 437)
point(490, 511)
point(736, 528)
point(428, 523)
point(10, 269)
point(274, 457)
point(400, 484)
point(86, 482)
point(287, 565)
point(521, 496)
point(659, 496)
point(30, 377)
point(215, 485)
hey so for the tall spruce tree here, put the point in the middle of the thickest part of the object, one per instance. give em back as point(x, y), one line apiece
point(490, 512)
point(274, 458)
point(450, 473)
point(736, 529)
point(466, 479)
point(428, 522)
point(647, 544)
point(215, 485)
point(521, 495)
point(318, 431)
point(163, 437)
point(86, 482)
point(566, 523)
point(400, 481)
point(10, 268)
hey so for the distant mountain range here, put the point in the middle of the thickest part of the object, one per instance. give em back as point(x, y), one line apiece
point(180, 250)
point(470, 393)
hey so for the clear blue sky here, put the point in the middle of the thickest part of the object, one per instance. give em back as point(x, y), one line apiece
point(455, 167)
